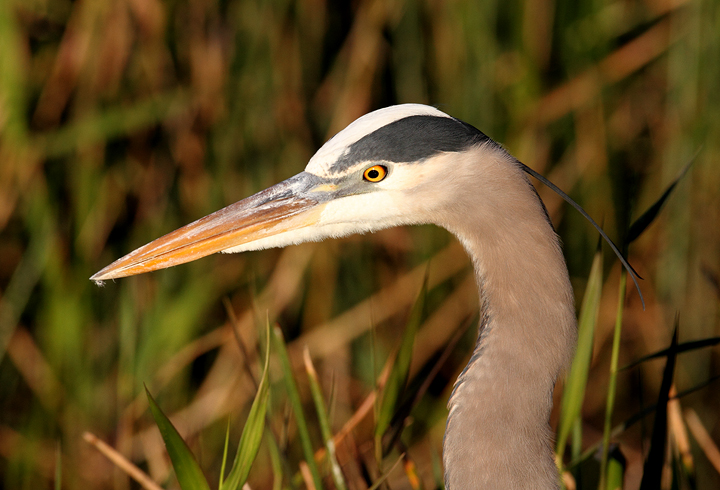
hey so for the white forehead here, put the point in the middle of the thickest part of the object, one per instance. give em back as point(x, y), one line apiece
point(336, 146)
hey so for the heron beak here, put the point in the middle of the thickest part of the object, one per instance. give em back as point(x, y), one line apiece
point(287, 206)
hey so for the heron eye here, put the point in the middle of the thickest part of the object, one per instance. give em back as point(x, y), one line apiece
point(375, 173)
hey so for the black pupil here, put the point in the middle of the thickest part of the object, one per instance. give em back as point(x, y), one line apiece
point(373, 174)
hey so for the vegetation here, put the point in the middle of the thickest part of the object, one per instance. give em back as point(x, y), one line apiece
point(123, 120)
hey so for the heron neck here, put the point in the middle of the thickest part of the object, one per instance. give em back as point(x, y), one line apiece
point(498, 434)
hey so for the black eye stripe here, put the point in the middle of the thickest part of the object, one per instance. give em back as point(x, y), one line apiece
point(410, 139)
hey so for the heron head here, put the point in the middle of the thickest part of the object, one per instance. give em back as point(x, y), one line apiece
point(382, 170)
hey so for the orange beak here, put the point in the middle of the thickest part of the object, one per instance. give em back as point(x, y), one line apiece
point(281, 208)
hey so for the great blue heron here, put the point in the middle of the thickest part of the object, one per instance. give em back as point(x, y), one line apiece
point(413, 164)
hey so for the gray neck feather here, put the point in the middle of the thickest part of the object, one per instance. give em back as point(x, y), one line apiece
point(497, 434)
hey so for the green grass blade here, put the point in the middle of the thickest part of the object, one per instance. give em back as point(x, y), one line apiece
point(610, 404)
point(252, 432)
point(275, 460)
point(225, 454)
point(576, 438)
point(577, 379)
point(296, 404)
point(399, 373)
point(187, 470)
point(324, 422)
point(615, 470)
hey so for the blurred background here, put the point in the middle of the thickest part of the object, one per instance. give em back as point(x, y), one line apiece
point(121, 120)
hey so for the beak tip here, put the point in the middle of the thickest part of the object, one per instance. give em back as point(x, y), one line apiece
point(100, 277)
point(254, 218)
point(98, 280)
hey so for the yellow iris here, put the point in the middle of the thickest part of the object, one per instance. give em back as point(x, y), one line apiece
point(375, 173)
